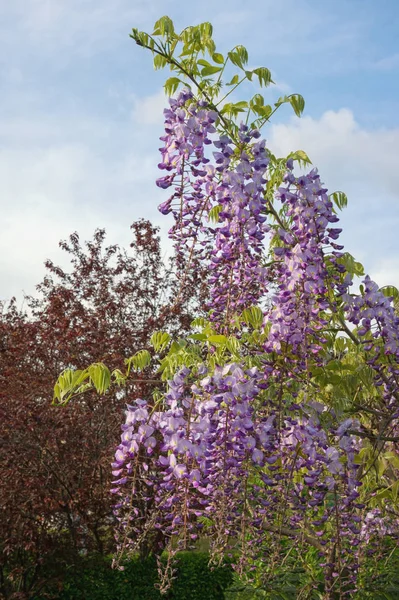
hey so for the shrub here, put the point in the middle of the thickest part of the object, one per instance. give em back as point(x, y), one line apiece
point(94, 579)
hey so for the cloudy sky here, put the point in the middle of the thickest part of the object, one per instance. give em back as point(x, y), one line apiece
point(81, 113)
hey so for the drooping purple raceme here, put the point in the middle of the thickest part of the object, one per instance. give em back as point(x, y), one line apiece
point(188, 127)
point(374, 313)
point(232, 180)
point(238, 277)
point(377, 322)
point(195, 458)
point(304, 273)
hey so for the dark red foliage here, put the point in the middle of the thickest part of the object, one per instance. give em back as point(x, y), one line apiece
point(55, 462)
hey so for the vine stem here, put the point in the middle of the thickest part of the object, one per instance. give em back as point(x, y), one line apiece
point(190, 76)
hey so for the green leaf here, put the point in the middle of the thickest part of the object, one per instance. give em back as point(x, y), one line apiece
point(203, 62)
point(263, 111)
point(238, 56)
point(210, 70)
point(164, 26)
point(199, 322)
point(69, 382)
point(206, 30)
point(227, 109)
point(340, 345)
point(340, 199)
point(196, 39)
point(217, 339)
point(233, 345)
point(253, 316)
point(234, 109)
point(264, 76)
point(296, 100)
point(351, 265)
point(395, 491)
point(218, 58)
point(234, 80)
point(138, 361)
point(390, 291)
point(206, 521)
point(393, 459)
point(159, 62)
point(300, 156)
point(142, 39)
point(257, 100)
point(171, 85)
point(100, 377)
point(241, 105)
point(159, 340)
point(382, 495)
point(298, 104)
point(198, 336)
point(213, 215)
point(119, 377)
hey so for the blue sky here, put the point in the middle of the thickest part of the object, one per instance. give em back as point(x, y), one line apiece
point(81, 113)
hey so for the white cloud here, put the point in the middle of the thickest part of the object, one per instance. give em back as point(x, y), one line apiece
point(38, 196)
point(363, 163)
point(293, 28)
point(52, 187)
point(386, 272)
point(387, 63)
point(149, 109)
point(346, 153)
point(81, 26)
point(282, 86)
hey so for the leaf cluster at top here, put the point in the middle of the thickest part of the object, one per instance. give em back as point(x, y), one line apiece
point(192, 56)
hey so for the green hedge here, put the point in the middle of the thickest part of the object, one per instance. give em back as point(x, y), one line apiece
point(96, 580)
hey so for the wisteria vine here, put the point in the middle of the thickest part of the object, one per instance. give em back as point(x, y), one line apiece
point(278, 418)
point(223, 455)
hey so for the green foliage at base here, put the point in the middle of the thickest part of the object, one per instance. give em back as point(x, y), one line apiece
point(96, 580)
point(92, 578)
point(300, 577)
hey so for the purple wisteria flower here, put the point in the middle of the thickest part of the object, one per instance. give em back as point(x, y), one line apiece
point(234, 182)
point(246, 450)
point(195, 458)
point(304, 278)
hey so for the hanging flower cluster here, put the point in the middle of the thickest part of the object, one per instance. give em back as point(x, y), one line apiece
point(374, 314)
point(232, 181)
point(186, 454)
point(304, 273)
point(378, 328)
point(238, 278)
point(195, 460)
